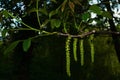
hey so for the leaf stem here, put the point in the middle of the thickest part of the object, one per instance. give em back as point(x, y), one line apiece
point(23, 22)
point(37, 12)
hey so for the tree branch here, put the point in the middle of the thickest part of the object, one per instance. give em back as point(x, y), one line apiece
point(89, 33)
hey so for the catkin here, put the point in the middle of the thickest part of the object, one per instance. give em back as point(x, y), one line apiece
point(75, 48)
point(92, 48)
point(68, 56)
point(82, 52)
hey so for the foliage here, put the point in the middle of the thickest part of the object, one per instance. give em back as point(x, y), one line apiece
point(26, 44)
point(69, 18)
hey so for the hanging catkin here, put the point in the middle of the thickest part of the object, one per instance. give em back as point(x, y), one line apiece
point(92, 47)
point(68, 56)
point(82, 52)
point(75, 48)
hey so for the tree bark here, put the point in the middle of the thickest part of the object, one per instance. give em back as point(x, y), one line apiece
point(115, 37)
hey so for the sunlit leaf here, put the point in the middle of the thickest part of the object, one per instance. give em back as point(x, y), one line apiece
point(44, 11)
point(96, 9)
point(107, 14)
point(63, 5)
point(32, 10)
point(4, 31)
point(26, 44)
point(85, 16)
point(55, 23)
point(5, 13)
point(71, 5)
point(11, 47)
point(44, 23)
point(58, 23)
point(53, 13)
point(77, 2)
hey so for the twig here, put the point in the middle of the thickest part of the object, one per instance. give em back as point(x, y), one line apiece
point(89, 33)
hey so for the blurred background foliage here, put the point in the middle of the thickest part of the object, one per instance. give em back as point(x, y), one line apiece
point(40, 53)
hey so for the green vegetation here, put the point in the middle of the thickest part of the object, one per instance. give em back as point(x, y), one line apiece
point(59, 40)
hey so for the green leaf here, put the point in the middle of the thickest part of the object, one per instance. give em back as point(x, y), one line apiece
point(77, 2)
point(32, 10)
point(5, 13)
point(53, 1)
point(44, 11)
point(52, 13)
point(26, 44)
point(106, 14)
point(4, 32)
point(11, 47)
point(96, 9)
point(55, 23)
point(45, 23)
point(63, 5)
point(85, 16)
point(71, 5)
